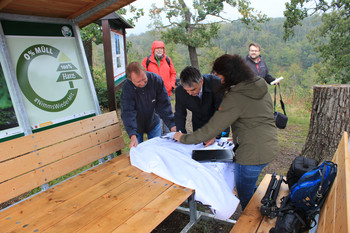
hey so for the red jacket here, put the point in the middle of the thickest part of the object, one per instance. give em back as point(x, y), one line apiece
point(167, 72)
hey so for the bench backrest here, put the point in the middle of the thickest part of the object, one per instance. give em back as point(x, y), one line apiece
point(33, 160)
point(335, 213)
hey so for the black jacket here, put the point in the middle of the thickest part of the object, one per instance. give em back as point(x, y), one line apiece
point(202, 109)
point(141, 107)
point(263, 70)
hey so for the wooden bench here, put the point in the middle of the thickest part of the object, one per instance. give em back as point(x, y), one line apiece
point(335, 213)
point(111, 197)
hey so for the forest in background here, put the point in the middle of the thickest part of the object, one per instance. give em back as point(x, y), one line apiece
point(293, 59)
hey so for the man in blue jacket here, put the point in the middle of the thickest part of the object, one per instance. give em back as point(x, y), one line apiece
point(256, 63)
point(197, 93)
point(144, 100)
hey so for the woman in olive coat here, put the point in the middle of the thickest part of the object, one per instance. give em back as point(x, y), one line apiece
point(247, 108)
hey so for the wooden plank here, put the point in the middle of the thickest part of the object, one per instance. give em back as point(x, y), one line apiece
point(69, 188)
point(4, 3)
point(90, 203)
point(251, 216)
point(335, 216)
point(28, 181)
point(105, 214)
point(29, 143)
point(155, 212)
point(85, 8)
point(26, 163)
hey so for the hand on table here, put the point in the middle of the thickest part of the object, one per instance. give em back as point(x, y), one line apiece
point(210, 142)
point(134, 141)
point(177, 136)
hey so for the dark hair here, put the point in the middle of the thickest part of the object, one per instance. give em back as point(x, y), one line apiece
point(254, 44)
point(189, 75)
point(134, 67)
point(233, 68)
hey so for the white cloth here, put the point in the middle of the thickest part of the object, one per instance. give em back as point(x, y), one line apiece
point(213, 182)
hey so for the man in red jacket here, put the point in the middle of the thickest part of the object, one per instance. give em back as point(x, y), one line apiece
point(162, 65)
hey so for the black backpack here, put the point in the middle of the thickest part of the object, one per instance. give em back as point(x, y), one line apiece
point(305, 200)
point(299, 166)
point(148, 61)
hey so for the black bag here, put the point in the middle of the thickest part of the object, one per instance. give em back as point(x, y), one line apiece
point(299, 166)
point(289, 219)
point(219, 155)
point(280, 118)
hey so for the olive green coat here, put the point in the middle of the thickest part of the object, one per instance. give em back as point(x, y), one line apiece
point(247, 107)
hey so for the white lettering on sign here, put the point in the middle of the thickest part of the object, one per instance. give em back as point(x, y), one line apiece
point(68, 76)
point(43, 49)
point(66, 67)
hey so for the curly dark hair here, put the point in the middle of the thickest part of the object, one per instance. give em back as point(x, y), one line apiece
point(233, 68)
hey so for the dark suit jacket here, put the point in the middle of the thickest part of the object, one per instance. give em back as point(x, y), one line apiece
point(202, 109)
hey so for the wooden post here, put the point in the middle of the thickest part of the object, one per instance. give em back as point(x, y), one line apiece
point(109, 65)
point(330, 117)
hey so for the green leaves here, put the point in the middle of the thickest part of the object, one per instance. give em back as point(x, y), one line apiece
point(189, 24)
point(331, 40)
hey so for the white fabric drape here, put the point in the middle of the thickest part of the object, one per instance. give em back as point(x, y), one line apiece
point(213, 182)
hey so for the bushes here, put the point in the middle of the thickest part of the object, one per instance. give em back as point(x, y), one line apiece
point(101, 88)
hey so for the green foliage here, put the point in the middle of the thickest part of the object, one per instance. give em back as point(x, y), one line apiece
point(101, 86)
point(331, 39)
point(136, 13)
point(92, 32)
point(188, 26)
point(5, 101)
point(207, 58)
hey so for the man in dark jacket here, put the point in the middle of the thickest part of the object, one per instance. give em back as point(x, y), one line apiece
point(197, 93)
point(256, 63)
point(143, 100)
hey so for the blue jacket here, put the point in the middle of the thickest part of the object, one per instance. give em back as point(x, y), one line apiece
point(263, 70)
point(202, 109)
point(142, 107)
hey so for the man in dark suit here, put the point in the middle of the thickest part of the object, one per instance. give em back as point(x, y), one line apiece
point(197, 93)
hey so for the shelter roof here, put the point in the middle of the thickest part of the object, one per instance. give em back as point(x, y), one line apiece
point(83, 12)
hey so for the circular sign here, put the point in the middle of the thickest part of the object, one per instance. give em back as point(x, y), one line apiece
point(24, 60)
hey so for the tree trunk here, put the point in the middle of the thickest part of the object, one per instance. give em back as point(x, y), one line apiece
point(193, 56)
point(88, 52)
point(330, 117)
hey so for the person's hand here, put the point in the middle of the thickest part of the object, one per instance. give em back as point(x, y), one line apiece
point(133, 142)
point(173, 129)
point(177, 136)
point(210, 142)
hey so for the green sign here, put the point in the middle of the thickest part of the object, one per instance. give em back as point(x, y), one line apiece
point(24, 61)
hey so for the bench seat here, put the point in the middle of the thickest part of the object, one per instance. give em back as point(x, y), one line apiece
point(111, 197)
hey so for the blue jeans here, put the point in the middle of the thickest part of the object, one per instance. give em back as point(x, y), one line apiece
point(246, 177)
point(155, 132)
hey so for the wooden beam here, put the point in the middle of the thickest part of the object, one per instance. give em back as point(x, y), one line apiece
point(4, 3)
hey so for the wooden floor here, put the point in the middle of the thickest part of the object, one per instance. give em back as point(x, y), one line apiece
point(113, 197)
point(251, 220)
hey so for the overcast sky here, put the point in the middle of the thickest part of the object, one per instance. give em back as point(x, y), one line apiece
point(272, 8)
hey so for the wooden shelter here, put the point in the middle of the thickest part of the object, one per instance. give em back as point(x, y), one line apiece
point(63, 19)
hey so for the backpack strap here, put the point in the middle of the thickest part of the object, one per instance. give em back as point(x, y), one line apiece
point(167, 60)
point(281, 101)
point(148, 61)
